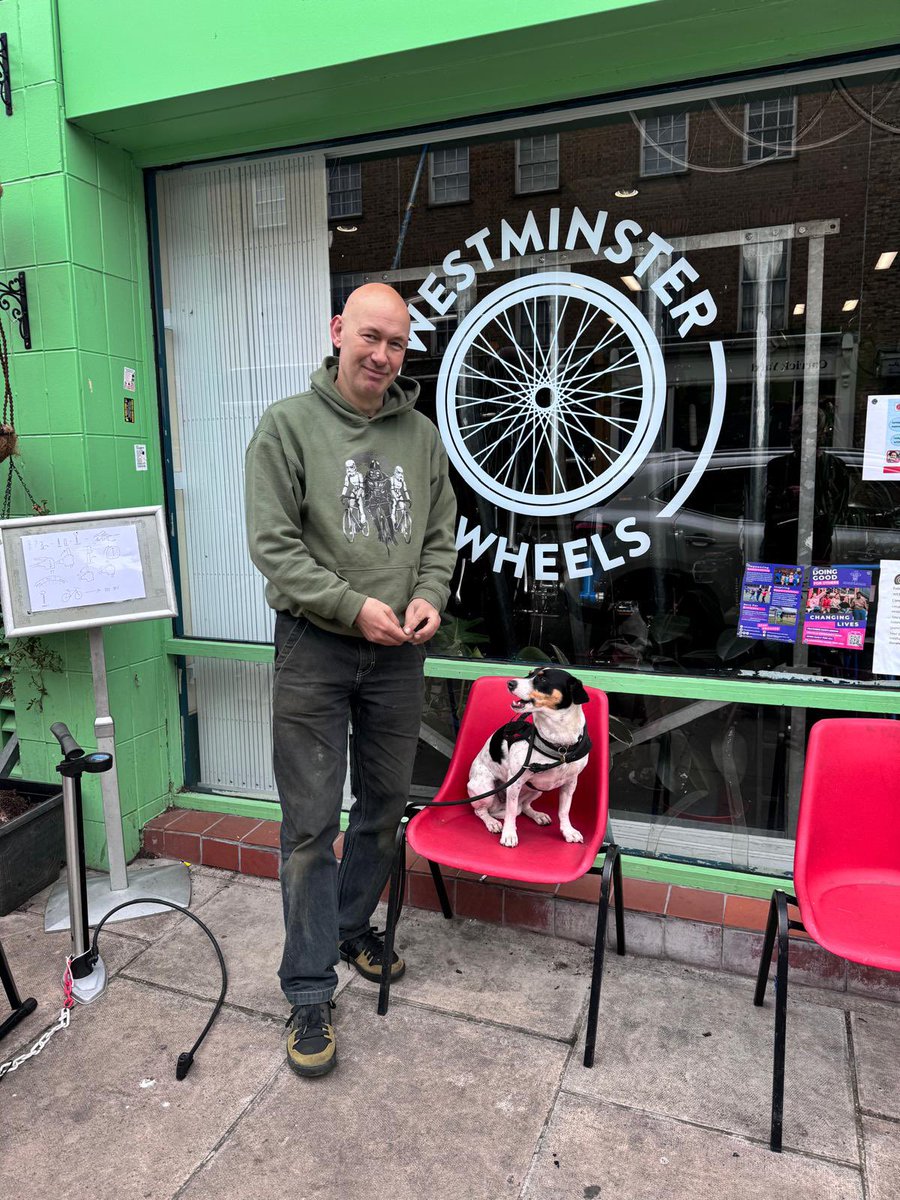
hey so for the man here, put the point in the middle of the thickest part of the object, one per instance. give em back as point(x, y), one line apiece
point(350, 634)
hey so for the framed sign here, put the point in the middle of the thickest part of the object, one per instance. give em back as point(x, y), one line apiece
point(82, 570)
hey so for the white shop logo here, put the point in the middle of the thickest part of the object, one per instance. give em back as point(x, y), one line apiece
point(553, 387)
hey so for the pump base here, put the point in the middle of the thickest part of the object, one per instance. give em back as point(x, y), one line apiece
point(87, 989)
point(165, 881)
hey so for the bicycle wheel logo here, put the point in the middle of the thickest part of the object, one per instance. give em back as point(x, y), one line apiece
point(551, 393)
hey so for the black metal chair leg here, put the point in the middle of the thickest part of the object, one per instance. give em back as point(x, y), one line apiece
point(762, 975)
point(781, 986)
point(599, 949)
point(440, 888)
point(20, 1008)
point(613, 849)
point(395, 901)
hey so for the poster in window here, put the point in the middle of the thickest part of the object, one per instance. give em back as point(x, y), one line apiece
point(886, 658)
point(770, 601)
point(837, 607)
point(881, 455)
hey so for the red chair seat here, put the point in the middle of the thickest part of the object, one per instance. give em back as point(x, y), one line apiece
point(456, 837)
point(857, 917)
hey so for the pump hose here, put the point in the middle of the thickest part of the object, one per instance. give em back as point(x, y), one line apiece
point(186, 1058)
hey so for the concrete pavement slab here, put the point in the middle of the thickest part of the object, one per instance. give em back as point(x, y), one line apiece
point(421, 1106)
point(591, 1149)
point(505, 974)
point(248, 924)
point(99, 1114)
point(876, 1041)
point(882, 1141)
point(689, 1043)
point(37, 961)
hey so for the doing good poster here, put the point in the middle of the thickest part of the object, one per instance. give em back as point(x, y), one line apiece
point(837, 607)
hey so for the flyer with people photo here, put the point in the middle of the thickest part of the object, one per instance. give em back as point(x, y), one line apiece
point(770, 601)
point(837, 607)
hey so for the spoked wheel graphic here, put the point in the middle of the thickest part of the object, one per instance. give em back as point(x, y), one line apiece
point(551, 393)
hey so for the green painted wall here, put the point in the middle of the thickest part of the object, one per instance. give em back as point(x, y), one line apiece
point(71, 217)
point(173, 81)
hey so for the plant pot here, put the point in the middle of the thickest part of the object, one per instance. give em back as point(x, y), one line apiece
point(32, 847)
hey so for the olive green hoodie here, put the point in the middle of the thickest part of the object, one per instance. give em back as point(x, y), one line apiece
point(341, 507)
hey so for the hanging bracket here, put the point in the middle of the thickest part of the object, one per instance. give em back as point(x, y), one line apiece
point(5, 85)
point(14, 300)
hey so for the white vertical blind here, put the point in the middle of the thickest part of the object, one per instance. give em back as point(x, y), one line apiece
point(244, 264)
point(245, 249)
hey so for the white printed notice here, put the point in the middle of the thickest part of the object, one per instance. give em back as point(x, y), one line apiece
point(886, 659)
point(82, 567)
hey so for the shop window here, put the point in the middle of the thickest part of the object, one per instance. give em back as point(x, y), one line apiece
point(449, 175)
point(770, 124)
point(344, 189)
point(444, 328)
point(537, 163)
point(664, 144)
point(766, 261)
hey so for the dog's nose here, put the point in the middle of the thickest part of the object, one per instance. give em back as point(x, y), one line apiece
point(511, 684)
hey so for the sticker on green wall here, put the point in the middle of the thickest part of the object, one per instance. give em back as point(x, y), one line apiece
point(128, 379)
point(129, 410)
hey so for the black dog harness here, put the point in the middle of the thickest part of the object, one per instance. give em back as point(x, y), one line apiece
point(521, 730)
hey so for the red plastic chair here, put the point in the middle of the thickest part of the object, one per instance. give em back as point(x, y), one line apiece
point(846, 864)
point(448, 833)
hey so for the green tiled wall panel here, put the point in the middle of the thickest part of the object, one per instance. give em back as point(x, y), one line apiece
point(15, 138)
point(84, 221)
point(51, 297)
point(120, 301)
point(80, 152)
point(69, 479)
point(16, 218)
point(43, 128)
point(103, 486)
point(90, 310)
point(29, 384)
point(117, 236)
point(61, 374)
point(133, 643)
point(51, 227)
point(36, 52)
point(96, 396)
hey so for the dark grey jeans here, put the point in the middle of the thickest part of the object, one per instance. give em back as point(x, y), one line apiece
point(322, 680)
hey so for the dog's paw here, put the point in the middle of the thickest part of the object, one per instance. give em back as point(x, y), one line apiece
point(509, 837)
point(571, 834)
point(493, 824)
point(539, 818)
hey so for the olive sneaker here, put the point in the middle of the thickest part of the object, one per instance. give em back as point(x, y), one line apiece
point(310, 1039)
point(366, 953)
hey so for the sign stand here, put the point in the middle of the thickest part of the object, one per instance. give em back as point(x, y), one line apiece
point(87, 571)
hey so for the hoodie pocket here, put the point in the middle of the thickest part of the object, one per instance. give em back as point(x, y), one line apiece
point(392, 585)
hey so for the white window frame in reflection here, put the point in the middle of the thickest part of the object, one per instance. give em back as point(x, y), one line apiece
point(448, 175)
point(662, 130)
point(344, 189)
point(783, 106)
point(539, 151)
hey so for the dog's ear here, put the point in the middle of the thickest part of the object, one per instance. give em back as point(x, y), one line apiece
point(579, 695)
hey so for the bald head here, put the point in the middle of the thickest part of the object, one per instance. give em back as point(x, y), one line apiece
point(371, 335)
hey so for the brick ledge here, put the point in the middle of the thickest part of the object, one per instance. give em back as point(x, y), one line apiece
point(698, 928)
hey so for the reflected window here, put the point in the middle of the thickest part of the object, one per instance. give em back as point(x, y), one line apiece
point(268, 202)
point(664, 144)
point(344, 189)
point(449, 181)
point(537, 163)
point(770, 125)
point(342, 284)
point(764, 274)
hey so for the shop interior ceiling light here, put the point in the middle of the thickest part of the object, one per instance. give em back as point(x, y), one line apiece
point(626, 193)
point(885, 260)
point(347, 228)
point(631, 283)
point(849, 305)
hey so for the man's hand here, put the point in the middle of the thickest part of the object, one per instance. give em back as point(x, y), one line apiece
point(377, 622)
point(420, 610)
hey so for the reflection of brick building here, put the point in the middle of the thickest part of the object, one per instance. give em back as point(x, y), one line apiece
point(846, 178)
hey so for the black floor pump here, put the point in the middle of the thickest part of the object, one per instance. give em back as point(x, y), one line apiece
point(87, 967)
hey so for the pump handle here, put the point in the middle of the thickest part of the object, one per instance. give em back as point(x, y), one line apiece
point(67, 743)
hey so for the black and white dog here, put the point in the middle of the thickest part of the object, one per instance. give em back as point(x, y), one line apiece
point(558, 743)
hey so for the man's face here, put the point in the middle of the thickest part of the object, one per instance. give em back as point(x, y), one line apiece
point(371, 339)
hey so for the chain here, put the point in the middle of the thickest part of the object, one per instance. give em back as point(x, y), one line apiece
point(61, 1023)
